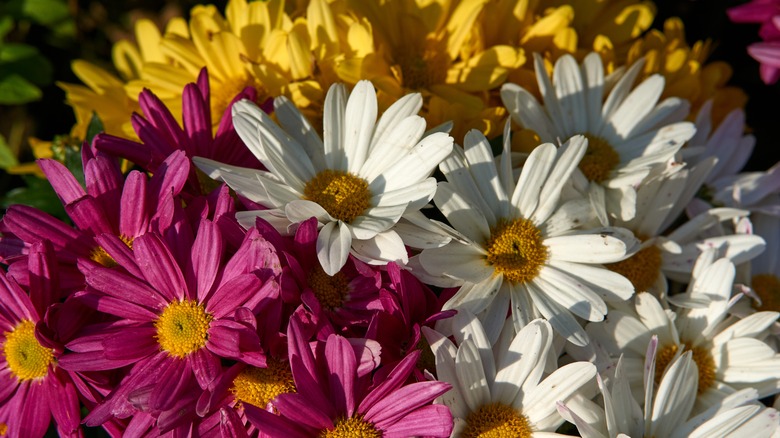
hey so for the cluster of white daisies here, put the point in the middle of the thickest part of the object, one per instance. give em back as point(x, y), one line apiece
point(617, 277)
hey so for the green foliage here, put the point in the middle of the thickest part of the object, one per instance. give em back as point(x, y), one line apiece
point(7, 157)
point(37, 193)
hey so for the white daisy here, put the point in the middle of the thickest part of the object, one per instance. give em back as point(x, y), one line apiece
point(667, 254)
point(358, 182)
point(499, 389)
point(667, 411)
point(519, 245)
point(627, 133)
point(729, 355)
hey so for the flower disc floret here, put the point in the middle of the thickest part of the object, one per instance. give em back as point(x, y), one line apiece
point(497, 420)
point(330, 290)
point(26, 357)
point(258, 386)
point(182, 328)
point(703, 359)
point(354, 427)
point(599, 160)
point(515, 249)
point(767, 287)
point(342, 194)
point(641, 268)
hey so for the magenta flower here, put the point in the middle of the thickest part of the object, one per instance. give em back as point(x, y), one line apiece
point(333, 397)
point(33, 388)
point(766, 13)
point(178, 311)
point(108, 215)
point(161, 135)
point(348, 299)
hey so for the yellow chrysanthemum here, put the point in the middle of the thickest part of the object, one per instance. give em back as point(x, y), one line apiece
point(686, 71)
point(429, 47)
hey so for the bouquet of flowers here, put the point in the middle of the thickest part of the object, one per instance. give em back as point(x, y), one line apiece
point(398, 218)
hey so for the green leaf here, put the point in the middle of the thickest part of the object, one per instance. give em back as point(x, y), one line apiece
point(95, 127)
point(74, 164)
point(45, 12)
point(7, 157)
point(16, 90)
point(38, 194)
point(6, 24)
point(25, 61)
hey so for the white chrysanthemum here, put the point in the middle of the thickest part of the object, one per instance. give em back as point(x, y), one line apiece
point(498, 390)
point(671, 254)
point(358, 182)
point(729, 355)
point(627, 134)
point(519, 245)
point(667, 410)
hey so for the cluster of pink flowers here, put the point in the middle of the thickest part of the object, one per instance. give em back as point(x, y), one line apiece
point(157, 312)
point(767, 52)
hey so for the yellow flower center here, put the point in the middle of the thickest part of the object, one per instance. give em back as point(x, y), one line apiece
point(641, 268)
point(26, 357)
point(423, 67)
point(355, 427)
point(100, 255)
point(3, 429)
point(767, 287)
point(515, 249)
point(497, 420)
point(703, 359)
point(343, 195)
point(183, 328)
point(329, 290)
point(599, 159)
point(258, 386)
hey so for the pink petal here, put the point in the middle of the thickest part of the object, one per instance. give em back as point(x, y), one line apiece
point(206, 256)
point(63, 403)
point(131, 343)
point(121, 147)
point(62, 181)
point(205, 366)
point(133, 220)
point(766, 53)
point(272, 424)
point(34, 415)
point(342, 371)
point(230, 424)
point(116, 306)
point(120, 252)
point(408, 398)
point(173, 381)
point(119, 285)
point(234, 293)
point(196, 116)
point(88, 215)
point(297, 408)
point(394, 380)
point(30, 225)
point(159, 267)
point(430, 421)
point(167, 133)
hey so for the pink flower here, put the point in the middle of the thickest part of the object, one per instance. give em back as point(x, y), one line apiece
point(161, 134)
point(333, 395)
point(178, 311)
point(33, 388)
point(767, 13)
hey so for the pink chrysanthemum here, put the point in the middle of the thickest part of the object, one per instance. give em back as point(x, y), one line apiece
point(108, 215)
point(33, 388)
point(179, 311)
point(767, 13)
point(161, 134)
point(333, 397)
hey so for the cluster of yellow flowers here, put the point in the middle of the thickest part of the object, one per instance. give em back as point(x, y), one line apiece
point(457, 53)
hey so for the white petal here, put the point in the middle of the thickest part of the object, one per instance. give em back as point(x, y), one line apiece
point(389, 150)
point(604, 247)
point(381, 249)
point(246, 118)
point(457, 260)
point(466, 326)
point(572, 294)
point(301, 210)
point(333, 245)
point(397, 113)
point(559, 317)
point(539, 404)
point(593, 72)
point(333, 127)
point(569, 156)
point(475, 297)
point(570, 92)
point(610, 286)
point(299, 128)
point(532, 178)
point(527, 111)
point(444, 352)
point(675, 396)
point(525, 353)
point(415, 165)
point(275, 217)
point(376, 220)
point(483, 168)
point(359, 121)
point(415, 195)
point(471, 376)
point(461, 213)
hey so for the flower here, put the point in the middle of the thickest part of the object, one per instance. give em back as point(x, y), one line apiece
point(161, 135)
point(332, 398)
point(519, 245)
point(728, 357)
point(668, 411)
point(180, 308)
point(499, 388)
point(627, 134)
point(358, 182)
point(33, 387)
point(766, 12)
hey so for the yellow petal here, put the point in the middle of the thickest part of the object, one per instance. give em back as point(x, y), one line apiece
point(148, 37)
point(127, 60)
point(461, 23)
point(322, 29)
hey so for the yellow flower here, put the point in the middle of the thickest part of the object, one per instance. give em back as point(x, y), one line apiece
point(687, 73)
point(428, 47)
